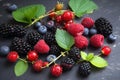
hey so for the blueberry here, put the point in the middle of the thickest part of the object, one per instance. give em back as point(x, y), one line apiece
point(93, 31)
point(4, 50)
point(37, 24)
point(112, 38)
point(50, 24)
point(51, 57)
point(12, 7)
point(86, 32)
point(42, 29)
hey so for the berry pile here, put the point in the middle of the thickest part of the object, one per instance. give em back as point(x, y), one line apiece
point(43, 41)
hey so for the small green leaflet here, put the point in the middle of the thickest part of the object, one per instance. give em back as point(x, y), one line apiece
point(64, 39)
point(89, 56)
point(81, 7)
point(20, 68)
point(28, 13)
point(99, 62)
point(83, 55)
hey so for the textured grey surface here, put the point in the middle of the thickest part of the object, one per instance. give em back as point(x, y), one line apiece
point(107, 8)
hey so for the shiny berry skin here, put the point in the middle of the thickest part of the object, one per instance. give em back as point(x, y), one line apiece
point(112, 38)
point(51, 57)
point(4, 50)
point(67, 16)
point(93, 31)
point(37, 65)
point(37, 24)
point(12, 56)
point(32, 56)
point(106, 50)
point(86, 32)
point(56, 70)
point(45, 64)
point(67, 24)
point(42, 29)
point(59, 6)
point(58, 19)
point(50, 24)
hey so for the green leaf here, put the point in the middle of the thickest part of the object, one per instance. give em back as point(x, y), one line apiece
point(20, 68)
point(64, 39)
point(81, 7)
point(99, 62)
point(90, 56)
point(28, 13)
point(83, 55)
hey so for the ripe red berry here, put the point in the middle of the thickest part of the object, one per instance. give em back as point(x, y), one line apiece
point(106, 50)
point(67, 16)
point(45, 64)
point(32, 56)
point(52, 15)
point(67, 24)
point(58, 19)
point(56, 70)
point(12, 56)
point(37, 66)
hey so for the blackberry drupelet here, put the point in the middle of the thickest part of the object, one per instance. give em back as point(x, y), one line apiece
point(49, 38)
point(103, 26)
point(67, 64)
point(20, 46)
point(74, 53)
point(54, 49)
point(6, 30)
point(84, 68)
point(33, 37)
point(12, 30)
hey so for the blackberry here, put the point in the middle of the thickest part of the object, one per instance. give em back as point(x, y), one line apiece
point(20, 46)
point(54, 49)
point(84, 68)
point(6, 30)
point(67, 64)
point(49, 38)
point(74, 53)
point(12, 30)
point(33, 37)
point(103, 26)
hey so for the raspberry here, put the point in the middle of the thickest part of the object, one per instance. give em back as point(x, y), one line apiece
point(97, 40)
point(37, 66)
point(32, 56)
point(33, 37)
point(21, 46)
point(74, 53)
point(103, 26)
point(87, 22)
point(75, 29)
point(67, 64)
point(54, 49)
point(50, 38)
point(84, 68)
point(12, 56)
point(12, 30)
point(41, 47)
point(56, 70)
point(81, 42)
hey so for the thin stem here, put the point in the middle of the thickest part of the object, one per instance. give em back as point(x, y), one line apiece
point(22, 60)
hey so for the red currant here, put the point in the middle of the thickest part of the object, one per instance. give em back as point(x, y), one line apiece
point(37, 65)
point(68, 24)
point(12, 56)
point(45, 64)
point(58, 19)
point(52, 15)
point(67, 16)
point(56, 70)
point(106, 50)
point(32, 56)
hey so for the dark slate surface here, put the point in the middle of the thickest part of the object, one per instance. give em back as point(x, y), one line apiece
point(107, 8)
